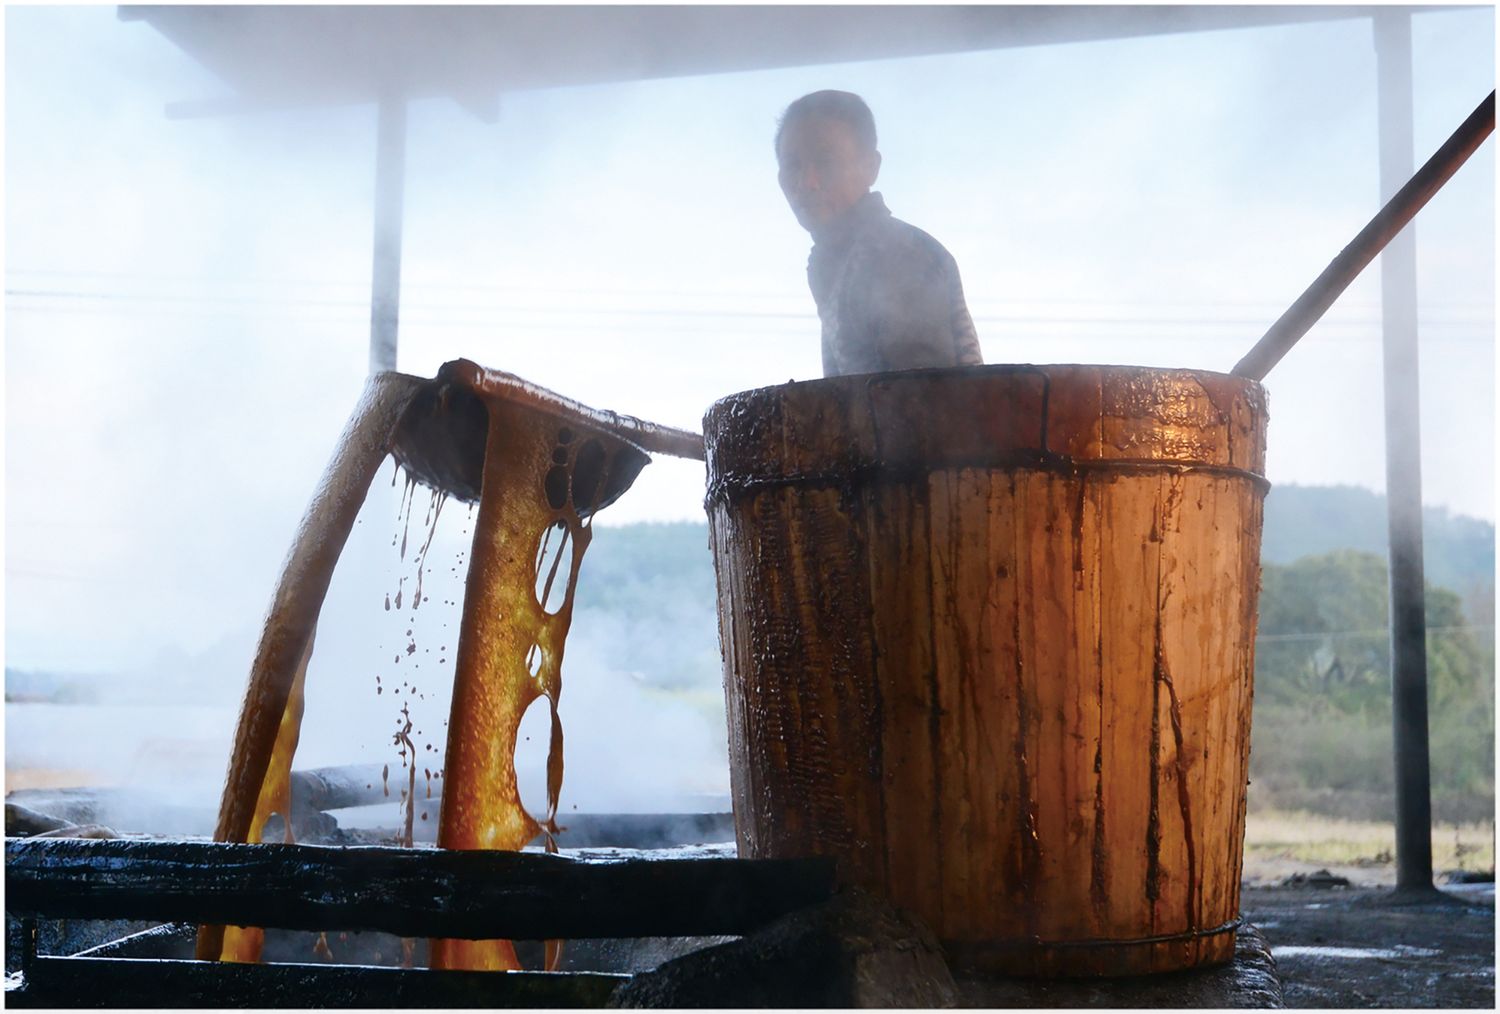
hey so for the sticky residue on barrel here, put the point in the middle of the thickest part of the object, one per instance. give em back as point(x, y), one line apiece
point(1153, 820)
point(1184, 796)
point(1031, 848)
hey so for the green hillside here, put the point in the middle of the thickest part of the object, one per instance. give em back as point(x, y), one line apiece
point(1458, 551)
point(645, 610)
point(1322, 724)
point(645, 565)
point(1322, 707)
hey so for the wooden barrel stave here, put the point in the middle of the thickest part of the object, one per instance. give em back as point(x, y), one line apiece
point(905, 676)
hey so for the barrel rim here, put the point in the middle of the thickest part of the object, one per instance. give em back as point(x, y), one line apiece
point(977, 370)
point(730, 488)
point(1070, 419)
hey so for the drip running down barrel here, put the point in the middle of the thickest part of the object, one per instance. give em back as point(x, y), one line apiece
point(540, 466)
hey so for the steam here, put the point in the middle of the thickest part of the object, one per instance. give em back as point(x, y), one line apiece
point(187, 322)
point(634, 746)
point(635, 741)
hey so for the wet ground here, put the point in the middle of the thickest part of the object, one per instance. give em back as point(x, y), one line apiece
point(1338, 937)
point(1367, 946)
point(1330, 947)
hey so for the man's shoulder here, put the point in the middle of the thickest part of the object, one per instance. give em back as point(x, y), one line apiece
point(897, 242)
point(902, 233)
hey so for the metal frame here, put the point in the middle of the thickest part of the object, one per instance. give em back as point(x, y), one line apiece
point(1392, 36)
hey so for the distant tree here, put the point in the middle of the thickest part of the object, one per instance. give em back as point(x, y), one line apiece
point(1322, 720)
point(1305, 521)
point(1322, 642)
point(1322, 711)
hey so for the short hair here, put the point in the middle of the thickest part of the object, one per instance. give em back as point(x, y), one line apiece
point(845, 107)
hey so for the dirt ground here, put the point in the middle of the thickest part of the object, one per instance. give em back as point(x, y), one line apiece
point(1279, 843)
point(1366, 946)
point(1333, 947)
point(1358, 945)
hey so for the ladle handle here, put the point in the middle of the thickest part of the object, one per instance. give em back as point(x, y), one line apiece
point(1390, 220)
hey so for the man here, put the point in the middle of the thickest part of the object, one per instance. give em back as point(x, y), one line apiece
point(888, 294)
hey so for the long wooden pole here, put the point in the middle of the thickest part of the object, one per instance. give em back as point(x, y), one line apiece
point(1390, 220)
point(298, 598)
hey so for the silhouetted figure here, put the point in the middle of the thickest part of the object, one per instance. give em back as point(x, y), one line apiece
point(888, 294)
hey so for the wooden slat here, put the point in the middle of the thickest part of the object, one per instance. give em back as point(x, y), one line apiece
point(990, 570)
point(1221, 784)
point(1087, 679)
point(1248, 588)
point(1063, 686)
point(829, 681)
point(411, 892)
point(1175, 677)
point(769, 710)
point(1129, 561)
point(726, 530)
point(904, 668)
point(966, 835)
point(124, 982)
point(1000, 790)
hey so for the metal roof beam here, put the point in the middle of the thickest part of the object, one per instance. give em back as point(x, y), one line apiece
point(334, 54)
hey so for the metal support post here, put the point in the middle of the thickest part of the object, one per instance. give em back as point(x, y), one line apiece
point(390, 185)
point(1403, 466)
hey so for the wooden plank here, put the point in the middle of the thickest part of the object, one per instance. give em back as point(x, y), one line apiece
point(1176, 678)
point(1249, 605)
point(1222, 786)
point(1129, 563)
point(1088, 679)
point(988, 571)
point(1061, 685)
point(829, 682)
point(126, 982)
point(989, 564)
point(768, 660)
point(959, 539)
point(726, 530)
point(900, 569)
point(411, 892)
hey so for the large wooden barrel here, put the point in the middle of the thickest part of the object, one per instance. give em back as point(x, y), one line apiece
point(988, 640)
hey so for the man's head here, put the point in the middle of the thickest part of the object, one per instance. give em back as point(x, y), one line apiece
point(825, 151)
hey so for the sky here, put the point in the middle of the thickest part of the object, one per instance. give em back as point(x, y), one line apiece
point(186, 304)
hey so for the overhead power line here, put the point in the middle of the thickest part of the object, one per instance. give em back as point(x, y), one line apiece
point(1373, 632)
point(418, 313)
point(413, 285)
